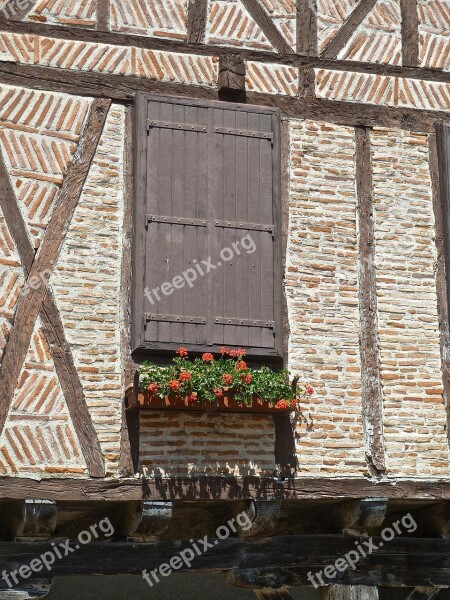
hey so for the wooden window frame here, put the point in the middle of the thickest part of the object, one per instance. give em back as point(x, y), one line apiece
point(139, 345)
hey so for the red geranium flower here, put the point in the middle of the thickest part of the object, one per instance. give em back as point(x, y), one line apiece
point(241, 352)
point(185, 376)
point(282, 404)
point(241, 365)
point(182, 352)
point(224, 350)
point(153, 388)
point(207, 357)
point(234, 354)
point(309, 390)
point(174, 385)
point(227, 379)
point(248, 378)
point(218, 392)
point(294, 404)
point(193, 397)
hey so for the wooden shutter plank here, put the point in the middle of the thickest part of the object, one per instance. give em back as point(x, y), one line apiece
point(243, 296)
point(217, 198)
point(254, 215)
point(180, 238)
point(151, 255)
point(266, 239)
point(230, 187)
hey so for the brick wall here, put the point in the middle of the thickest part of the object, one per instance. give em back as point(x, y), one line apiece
point(405, 258)
point(204, 443)
point(322, 294)
point(86, 284)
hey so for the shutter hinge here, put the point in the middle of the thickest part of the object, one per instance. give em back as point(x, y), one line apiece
point(177, 126)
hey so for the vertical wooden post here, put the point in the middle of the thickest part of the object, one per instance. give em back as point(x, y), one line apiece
point(370, 367)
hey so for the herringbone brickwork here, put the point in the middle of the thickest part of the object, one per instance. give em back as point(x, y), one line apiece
point(434, 28)
point(382, 90)
point(103, 58)
point(283, 15)
point(378, 39)
point(159, 18)
point(229, 23)
point(39, 437)
point(38, 134)
point(65, 12)
point(331, 15)
point(268, 78)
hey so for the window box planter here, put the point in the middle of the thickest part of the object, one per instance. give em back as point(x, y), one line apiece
point(137, 399)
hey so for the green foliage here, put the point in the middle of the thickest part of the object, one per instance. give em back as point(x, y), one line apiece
point(205, 379)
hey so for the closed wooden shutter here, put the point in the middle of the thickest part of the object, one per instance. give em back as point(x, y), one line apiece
point(207, 178)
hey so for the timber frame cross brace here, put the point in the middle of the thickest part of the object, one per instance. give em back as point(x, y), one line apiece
point(40, 301)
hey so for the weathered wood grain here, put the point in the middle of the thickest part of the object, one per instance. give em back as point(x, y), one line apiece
point(307, 28)
point(403, 561)
point(349, 27)
point(196, 24)
point(231, 74)
point(439, 153)
point(54, 334)
point(372, 400)
point(298, 60)
point(410, 33)
point(123, 89)
point(221, 488)
point(103, 15)
point(30, 306)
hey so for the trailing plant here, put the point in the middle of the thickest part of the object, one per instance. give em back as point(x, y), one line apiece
point(205, 380)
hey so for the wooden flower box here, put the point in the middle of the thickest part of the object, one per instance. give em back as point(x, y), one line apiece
point(137, 399)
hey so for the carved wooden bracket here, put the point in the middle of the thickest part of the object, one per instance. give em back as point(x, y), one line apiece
point(359, 517)
point(39, 519)
point(153, 520)
point(231, 74)
point(264, 515)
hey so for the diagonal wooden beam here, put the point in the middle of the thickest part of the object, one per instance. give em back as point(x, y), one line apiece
point(196, 23)
point(16, 10)
point(344, 34)
point(39, 300)
point(103, 15)
point(307, 43)
point(370, 366)
point(410, 33)
point(267, 26)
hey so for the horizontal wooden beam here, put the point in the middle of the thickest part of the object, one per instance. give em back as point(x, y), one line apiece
point(123, 89)
point(220, 488)
point(402, 561)
point(120, 39)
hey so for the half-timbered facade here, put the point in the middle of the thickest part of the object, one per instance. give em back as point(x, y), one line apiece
point(138, 138)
